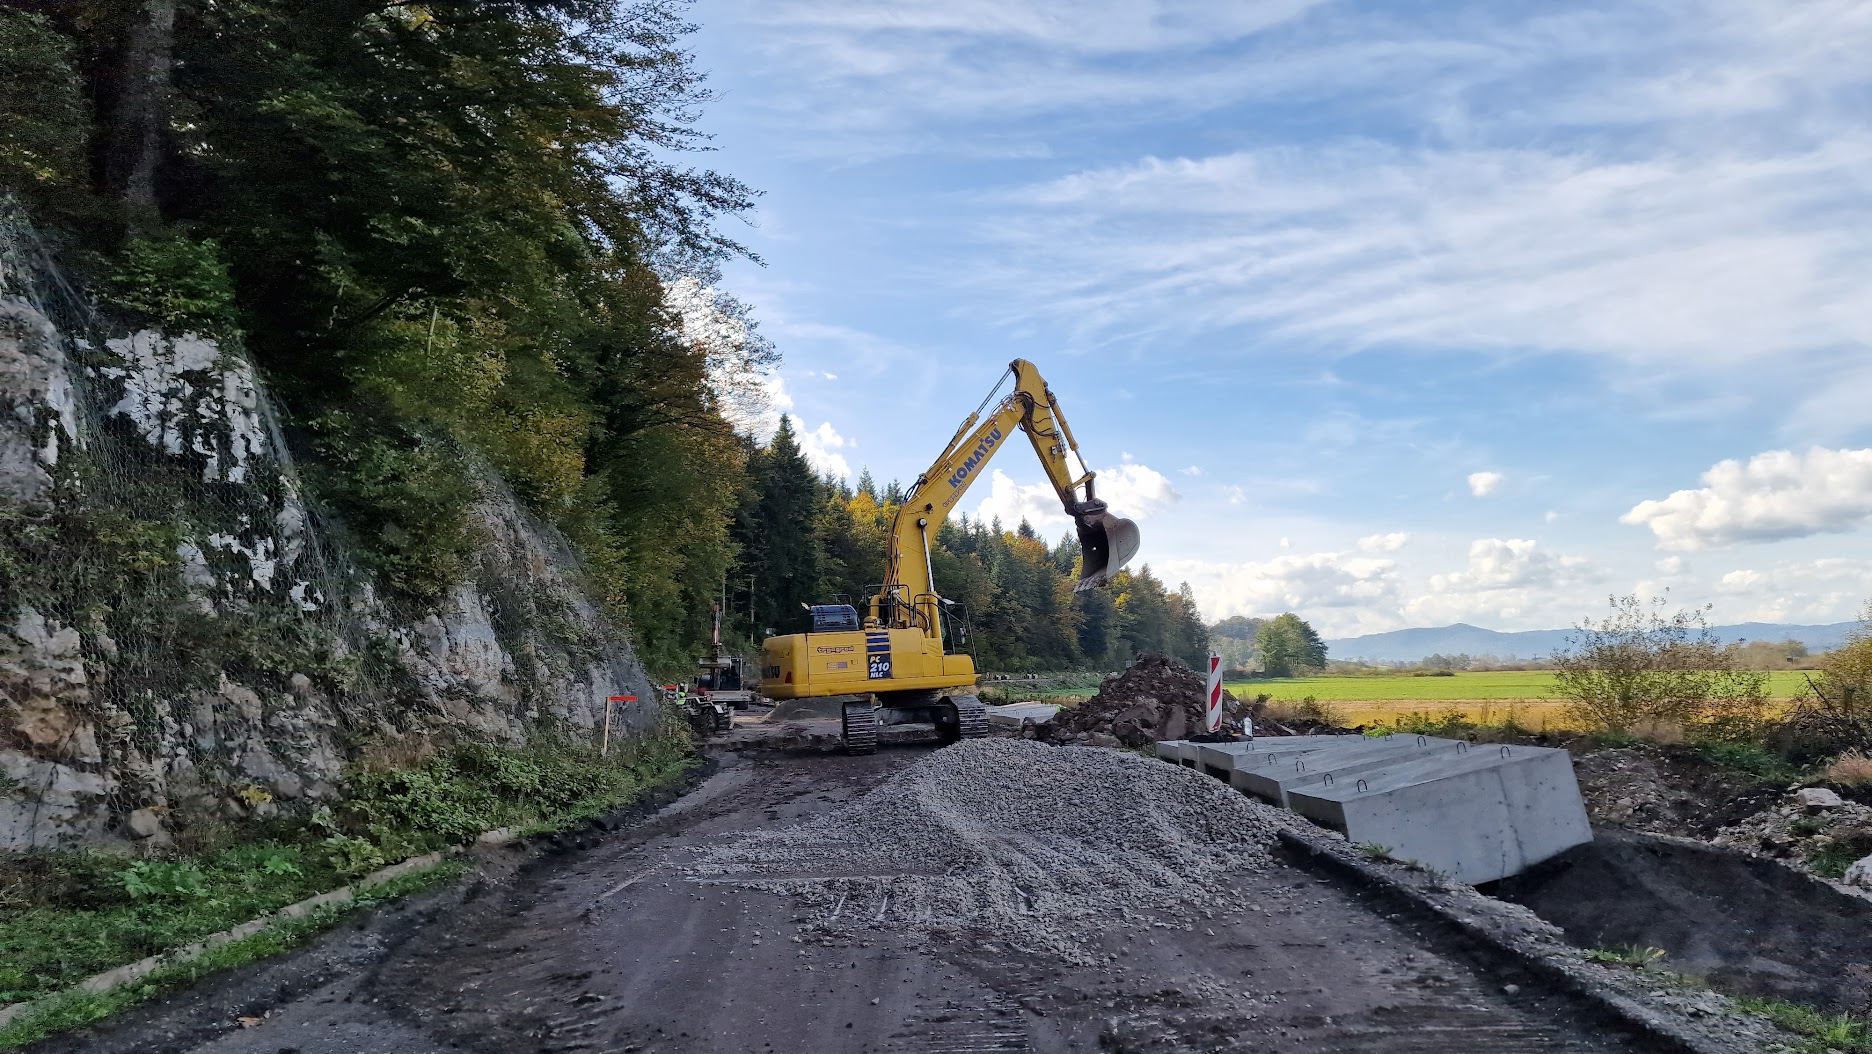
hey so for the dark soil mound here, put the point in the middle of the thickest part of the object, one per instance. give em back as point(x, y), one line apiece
point(1668, 790)
point(1751, 926)
point(1156, 698)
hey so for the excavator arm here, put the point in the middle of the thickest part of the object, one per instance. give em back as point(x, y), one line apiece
point(1107, 542)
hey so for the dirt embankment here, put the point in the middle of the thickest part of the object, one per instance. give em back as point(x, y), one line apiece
point(1750, 926)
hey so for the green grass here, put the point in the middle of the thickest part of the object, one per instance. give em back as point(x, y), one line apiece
point(1463, 687)
point(1630, 955)
point(88, 912)
point(62, 1013)
point(1820, 1032)
point(67, 915)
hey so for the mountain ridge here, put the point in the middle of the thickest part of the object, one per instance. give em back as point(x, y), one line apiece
point(1409, 645)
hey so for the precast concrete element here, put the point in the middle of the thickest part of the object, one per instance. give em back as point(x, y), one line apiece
point(1189, 753)
point(1174, 750)
point(1013, 714)
point(1275, 776)
point(1476, 813)
point(1218, 758)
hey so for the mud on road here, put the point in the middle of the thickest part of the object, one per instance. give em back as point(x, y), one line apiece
point(620, 947)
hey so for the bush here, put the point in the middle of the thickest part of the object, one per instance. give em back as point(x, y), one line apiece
point(1643, 669)
point(1835, 713)
point(179, 281)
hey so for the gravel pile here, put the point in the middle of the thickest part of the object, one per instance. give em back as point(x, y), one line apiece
point(1013, 842)
point(1156, 698)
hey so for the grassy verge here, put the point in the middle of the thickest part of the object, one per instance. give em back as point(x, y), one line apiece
point(63, 1013)
point(67, 915)
point(1062, 688)
point(1820, 1032)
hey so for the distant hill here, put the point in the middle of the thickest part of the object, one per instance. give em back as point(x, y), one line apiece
point(1409, 645)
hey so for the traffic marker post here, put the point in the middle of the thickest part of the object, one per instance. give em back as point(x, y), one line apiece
point(1212, 716)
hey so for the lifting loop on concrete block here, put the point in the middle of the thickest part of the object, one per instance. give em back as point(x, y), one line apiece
point(1299, 764)
point(1361, 786)
point(1421, 741)
point(1504, 751)
point(1329, 780)
point(1462, 747)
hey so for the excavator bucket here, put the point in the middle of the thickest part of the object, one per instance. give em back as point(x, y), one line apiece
point(1106, 544)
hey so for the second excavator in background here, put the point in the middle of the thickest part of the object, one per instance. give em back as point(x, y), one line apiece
point(903, 659)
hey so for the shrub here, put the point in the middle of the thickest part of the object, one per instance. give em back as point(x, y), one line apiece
point(1835, 712)
point(1643, 669)
point(178, 280)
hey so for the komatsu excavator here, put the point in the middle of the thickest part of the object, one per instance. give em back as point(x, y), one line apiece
point(903, 661)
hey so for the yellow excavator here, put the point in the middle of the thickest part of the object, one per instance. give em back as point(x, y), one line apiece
point(903, 660)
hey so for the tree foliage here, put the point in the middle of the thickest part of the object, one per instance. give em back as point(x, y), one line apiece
point(448, 232)
point(1646, 668)
point(1016, 589)
point(1287, 645)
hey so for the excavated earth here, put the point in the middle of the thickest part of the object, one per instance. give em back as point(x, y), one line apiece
point(1154, 699)
point(994, 896)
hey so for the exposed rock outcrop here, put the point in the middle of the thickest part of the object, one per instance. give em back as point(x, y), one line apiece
point(180, 640)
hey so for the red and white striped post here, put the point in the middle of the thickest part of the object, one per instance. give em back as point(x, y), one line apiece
point(1212, 717)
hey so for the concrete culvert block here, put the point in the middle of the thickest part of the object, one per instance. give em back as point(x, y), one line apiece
point(1272, 779)
point(1477, 814)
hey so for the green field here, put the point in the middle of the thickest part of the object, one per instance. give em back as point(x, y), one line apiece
point(1511, 684)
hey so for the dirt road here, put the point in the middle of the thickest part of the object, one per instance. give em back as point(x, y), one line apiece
point(615, 948)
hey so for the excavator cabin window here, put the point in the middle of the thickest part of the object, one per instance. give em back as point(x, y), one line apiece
point(955, 628)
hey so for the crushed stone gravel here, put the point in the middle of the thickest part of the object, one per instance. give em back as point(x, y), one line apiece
point(1028, 845)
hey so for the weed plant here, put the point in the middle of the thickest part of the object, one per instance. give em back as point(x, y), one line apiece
point(1820, 1032)
point(76, 1009)
point(67, 915)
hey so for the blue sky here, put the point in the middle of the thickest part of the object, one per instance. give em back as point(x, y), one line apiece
point(1386, 314)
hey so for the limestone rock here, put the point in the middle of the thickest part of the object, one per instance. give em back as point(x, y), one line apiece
point(144, 824)
point(1860, 873)
point(44, 689)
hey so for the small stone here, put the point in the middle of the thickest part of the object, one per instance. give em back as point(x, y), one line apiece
point(1510, 989)
point(1812, 798)
point(144, 823)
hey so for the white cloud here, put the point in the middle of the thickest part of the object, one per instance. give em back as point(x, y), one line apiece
point(1383, 543)
point(1481, 483)
point(1829, 589)
point(1193, 470)
point(821, 447)
point(1670, 566)
point(1235, 494)
point(1506, 581)
point(1131, 490)
point(1736, 581)
point(1774, 495)
point(1336, 592)
point(1510, 563)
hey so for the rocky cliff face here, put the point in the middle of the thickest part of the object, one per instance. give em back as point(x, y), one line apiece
point(182, 642)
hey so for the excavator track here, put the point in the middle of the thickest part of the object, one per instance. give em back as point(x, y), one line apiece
point(860, 728)
point(971, 717)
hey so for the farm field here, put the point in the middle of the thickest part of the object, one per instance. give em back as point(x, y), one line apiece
point(1463, 687)
point(1488, 698)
